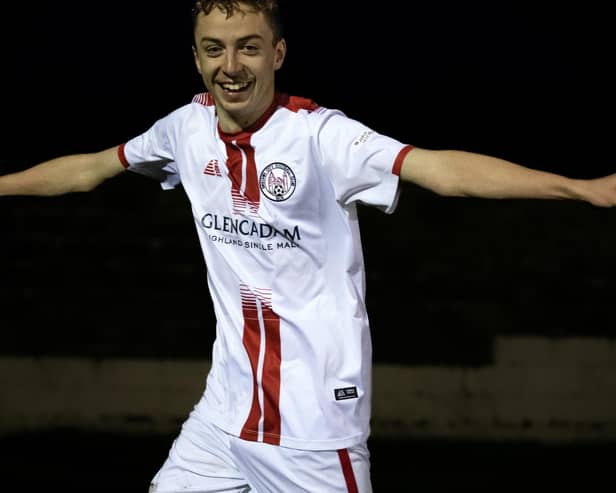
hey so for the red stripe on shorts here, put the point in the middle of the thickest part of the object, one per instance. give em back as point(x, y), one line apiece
point(347, 470)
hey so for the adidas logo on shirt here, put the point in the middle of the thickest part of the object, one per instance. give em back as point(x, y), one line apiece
point(212, 168)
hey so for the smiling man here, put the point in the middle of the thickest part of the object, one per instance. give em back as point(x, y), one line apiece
point(237, 56)
point(274, 181)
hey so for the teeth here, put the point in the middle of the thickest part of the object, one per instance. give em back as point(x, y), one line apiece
point(237, 86)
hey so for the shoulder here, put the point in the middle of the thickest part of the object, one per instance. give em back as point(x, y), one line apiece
point(199, 107)
point(204, 99)
point(296, 104)
point(202, 104)
point(314, 112)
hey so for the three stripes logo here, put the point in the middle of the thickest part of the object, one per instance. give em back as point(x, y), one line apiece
point(212, 168)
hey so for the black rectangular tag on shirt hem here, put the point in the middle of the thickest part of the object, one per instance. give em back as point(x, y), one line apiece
point(345, 393)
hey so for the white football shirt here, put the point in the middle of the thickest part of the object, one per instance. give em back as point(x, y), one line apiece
point(275, 211)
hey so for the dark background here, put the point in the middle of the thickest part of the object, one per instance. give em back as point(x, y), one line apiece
point(118, 272)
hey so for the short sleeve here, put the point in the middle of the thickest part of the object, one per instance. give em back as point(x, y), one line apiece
point(363, 165)
point(152, 153)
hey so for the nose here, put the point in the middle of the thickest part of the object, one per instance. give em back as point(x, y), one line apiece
point(232, 64)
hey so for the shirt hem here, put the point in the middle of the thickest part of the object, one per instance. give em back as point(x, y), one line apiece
point(298, 443)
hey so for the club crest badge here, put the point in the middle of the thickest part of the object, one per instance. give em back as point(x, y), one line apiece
point(277, 182)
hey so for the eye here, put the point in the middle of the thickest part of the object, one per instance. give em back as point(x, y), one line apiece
point(212, 50)
point(250, 49)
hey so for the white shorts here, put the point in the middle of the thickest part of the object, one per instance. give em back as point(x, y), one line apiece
point(205, 459)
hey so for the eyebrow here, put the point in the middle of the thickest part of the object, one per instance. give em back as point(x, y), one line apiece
point(240, 40)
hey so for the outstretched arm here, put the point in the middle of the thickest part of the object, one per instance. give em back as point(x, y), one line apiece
point(461, 173)
point(72, 173)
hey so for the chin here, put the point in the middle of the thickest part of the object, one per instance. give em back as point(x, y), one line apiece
point(235, 108)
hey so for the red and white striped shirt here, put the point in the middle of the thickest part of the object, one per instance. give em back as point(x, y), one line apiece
point(275, 211)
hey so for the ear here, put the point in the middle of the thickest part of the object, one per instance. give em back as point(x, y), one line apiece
point(196, 58)
point(280, 53)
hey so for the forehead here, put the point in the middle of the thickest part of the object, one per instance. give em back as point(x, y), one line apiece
point(217, 25)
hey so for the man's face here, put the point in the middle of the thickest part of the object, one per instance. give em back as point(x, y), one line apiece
point(237, 59)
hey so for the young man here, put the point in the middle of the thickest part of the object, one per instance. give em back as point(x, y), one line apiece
point(273, 182)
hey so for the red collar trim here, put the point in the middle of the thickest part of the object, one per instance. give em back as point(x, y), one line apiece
point(261, 121)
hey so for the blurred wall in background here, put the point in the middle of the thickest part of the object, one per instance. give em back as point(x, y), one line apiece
point(550, 391)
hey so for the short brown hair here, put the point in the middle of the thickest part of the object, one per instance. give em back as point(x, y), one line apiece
point(268, 7)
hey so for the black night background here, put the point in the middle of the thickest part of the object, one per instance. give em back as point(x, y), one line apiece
point(117, 273)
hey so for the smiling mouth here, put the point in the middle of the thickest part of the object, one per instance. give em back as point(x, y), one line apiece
point(234, 87)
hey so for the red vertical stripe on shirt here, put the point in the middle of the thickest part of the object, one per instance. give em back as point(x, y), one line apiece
point(271, 377)
point(252, 181)
point(237, 150)
point(242, 168)
point(252, 303)
point(234, 164)
point(252, 342)
point(347, 470)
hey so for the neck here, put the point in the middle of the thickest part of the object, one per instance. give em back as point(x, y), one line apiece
point(232, 124)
